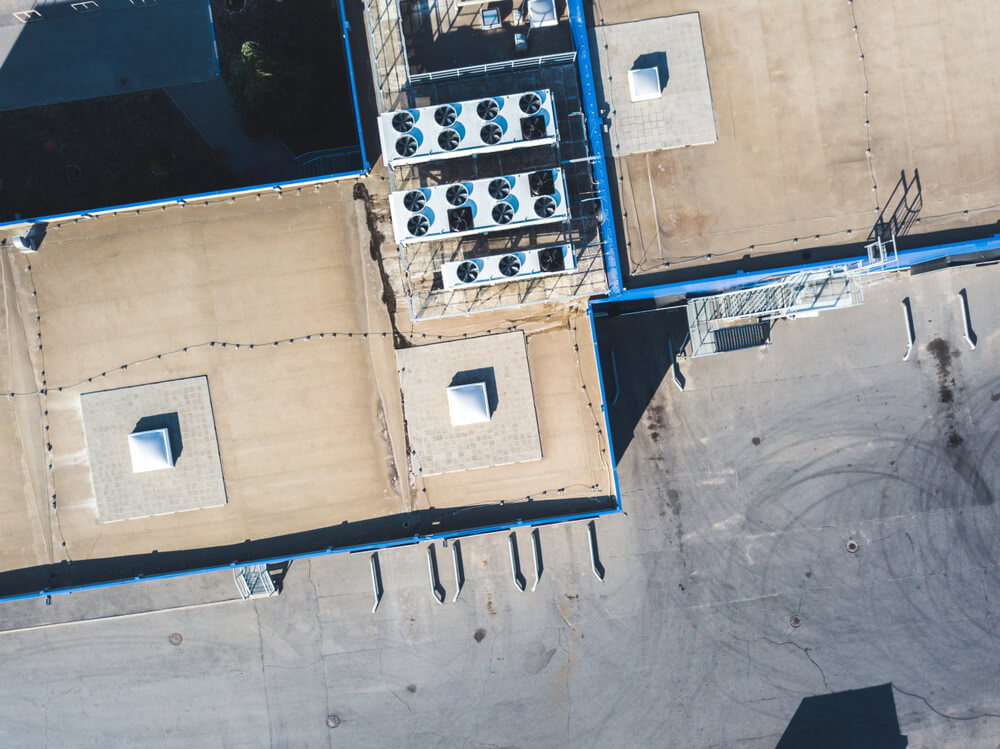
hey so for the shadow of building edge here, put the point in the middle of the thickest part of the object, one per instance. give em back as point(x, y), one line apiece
point(636, 344)
point(393, 530)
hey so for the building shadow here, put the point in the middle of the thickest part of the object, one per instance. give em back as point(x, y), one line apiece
point(170, 422)
point(901, 209)
point(473, 376)
point(278, 573)
point(401, 529)
point(858, 718)
point(634, 343)
point(656, 60)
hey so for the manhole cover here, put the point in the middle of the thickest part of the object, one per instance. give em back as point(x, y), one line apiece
point(332, 721)
point(795, 620)
point(852, 546)
point(175, 638)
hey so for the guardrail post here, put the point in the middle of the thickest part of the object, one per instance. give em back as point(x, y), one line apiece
point(536, 556)
point(456, 560)
point(515, 562)
point(911, 335)
point(970, 336)
point(376, 580)
point(595, 557)
point(432, 571)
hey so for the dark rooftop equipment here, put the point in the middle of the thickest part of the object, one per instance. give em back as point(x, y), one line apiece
point(542, 183)
point(460, 219)
point(533, 128)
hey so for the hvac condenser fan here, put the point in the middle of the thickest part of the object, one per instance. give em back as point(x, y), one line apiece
point(510, 265)
point(545, 206)
point(487, 109)
point(449, 139)
point(503, 213)
point(418, 225)
point(533, 128)
point(414, 200)
point(460, 219)
point(499, 188)
point(456, 194)
point(406, 146)
point(491, 134)
point(445, 116)
point(402, 122)
point(530, 103)
point(551, 260)
point(541, 183)
point(467, 272)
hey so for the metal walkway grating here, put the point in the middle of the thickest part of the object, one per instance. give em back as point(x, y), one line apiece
point(714, 321)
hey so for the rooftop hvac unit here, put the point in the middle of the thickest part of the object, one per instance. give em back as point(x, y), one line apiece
point(511, 266)
point(477, 206)
point(496, 123)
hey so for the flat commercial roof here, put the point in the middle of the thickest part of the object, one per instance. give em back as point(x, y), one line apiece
point(70, 51)
point(789, 173)
point(299, 424)
point(297, 347)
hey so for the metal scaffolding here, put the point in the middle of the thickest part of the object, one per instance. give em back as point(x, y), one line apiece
point(738, 319)
point(741, 319)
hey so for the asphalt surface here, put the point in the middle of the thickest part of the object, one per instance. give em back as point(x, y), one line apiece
point(743, 494)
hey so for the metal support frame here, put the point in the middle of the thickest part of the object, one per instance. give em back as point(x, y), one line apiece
point(376, 580)
point(595, 556)
point(515, 562)
point(806, 292)
point(437, 590)
point(911, 336)
point(882, 256)
point(493, 67)
point(536, 556)
point(969, 335)
point(456, 561)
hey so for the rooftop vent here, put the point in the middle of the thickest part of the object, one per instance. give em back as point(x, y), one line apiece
point(644, 84)
point(468, 404)
point(150, 450)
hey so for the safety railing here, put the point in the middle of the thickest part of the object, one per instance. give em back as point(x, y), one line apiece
point(493, 67)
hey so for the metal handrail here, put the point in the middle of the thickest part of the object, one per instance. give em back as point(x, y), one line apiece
point(493, 67)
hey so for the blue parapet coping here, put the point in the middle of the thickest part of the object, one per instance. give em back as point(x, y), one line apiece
point(346, 27)
point(907, 259)
point(96, 212)
point(578, 24)
point(375, 546)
